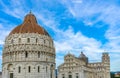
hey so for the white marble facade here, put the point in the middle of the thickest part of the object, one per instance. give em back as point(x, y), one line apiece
point(79, 67)
point(28, 55)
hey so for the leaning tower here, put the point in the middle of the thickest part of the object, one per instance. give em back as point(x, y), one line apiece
point(106, 64)
point(28, 52)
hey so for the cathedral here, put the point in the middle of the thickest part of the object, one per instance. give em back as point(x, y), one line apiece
point(28, 51)
point(79, 67)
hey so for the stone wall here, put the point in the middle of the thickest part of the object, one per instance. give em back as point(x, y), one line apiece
point(77, 68)
point(29, 55)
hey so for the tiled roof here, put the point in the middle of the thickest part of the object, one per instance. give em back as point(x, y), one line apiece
point(29, 25)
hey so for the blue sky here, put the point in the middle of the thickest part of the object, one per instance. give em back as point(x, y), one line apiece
point(92, 26)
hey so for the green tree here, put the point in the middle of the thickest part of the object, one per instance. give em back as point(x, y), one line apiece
point(112, 75)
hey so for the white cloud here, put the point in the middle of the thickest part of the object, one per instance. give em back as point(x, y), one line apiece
point(108, 13)
point(2, 36)
point(68, 41)
point(15, 8)
point(1, 26)
point(4, 31)
point(49, 21)
point(115, 65)
point(77, 1)
point(75, 43)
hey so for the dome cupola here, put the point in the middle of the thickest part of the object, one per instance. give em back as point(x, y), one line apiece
point(29, 25)
point(83, 57)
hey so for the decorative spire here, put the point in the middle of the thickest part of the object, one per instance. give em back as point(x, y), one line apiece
point(30, 12)
point(105, 52)
point(81, 52)
point(82, 55)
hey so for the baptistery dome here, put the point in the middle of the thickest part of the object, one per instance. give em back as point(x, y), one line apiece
point(28, 51)
point(29, 25)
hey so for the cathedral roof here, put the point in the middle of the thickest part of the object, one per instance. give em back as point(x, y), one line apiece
point(29, 25)
point(82, 55)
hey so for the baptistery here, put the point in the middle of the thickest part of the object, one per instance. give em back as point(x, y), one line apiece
point(28, 51)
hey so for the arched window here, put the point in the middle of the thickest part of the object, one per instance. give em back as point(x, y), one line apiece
point(29, 69)
point(19, 40)
point(38, 54)
point(51, 68)
point(26, 54)
point(38, 68)
point(63, 75)
point(46, 59)
point(36, 40)
point(28, 40)
point(12, 41)
point(77, 75)
point(19, 69)
point(44, 41)
point(49, 43)
point(46, 68)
